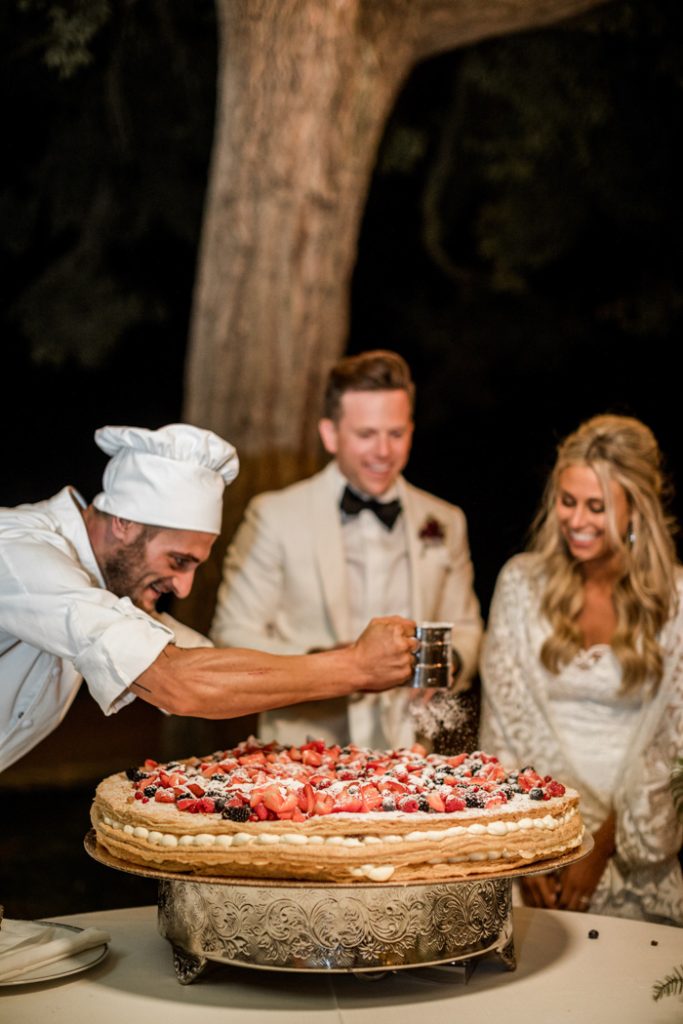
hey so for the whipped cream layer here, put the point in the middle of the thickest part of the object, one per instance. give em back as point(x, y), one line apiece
point(206, 840)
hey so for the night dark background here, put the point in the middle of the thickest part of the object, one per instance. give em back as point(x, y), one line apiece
point(520, 247)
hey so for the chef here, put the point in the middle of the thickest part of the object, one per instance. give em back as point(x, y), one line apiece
point(79, 585)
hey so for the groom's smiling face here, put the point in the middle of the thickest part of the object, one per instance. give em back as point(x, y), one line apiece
point(371, 439)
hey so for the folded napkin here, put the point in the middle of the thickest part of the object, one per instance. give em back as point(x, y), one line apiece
point(26, 946)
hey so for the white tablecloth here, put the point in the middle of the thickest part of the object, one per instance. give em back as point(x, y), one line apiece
point(562, 975)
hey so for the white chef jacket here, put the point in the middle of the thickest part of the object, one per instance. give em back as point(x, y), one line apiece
point(59, 625)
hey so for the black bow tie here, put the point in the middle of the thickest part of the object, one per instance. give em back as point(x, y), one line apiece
point(386, 511)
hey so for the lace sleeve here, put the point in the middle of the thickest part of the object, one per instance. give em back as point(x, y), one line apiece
point(648, 829)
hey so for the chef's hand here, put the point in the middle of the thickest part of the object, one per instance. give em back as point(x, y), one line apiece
point(385, 652)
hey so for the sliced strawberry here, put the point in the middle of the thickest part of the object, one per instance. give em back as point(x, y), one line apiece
point(195, 789)
point(371, 797)
point(306, 798)
point(347, 802)
point(409, 804)
point(256, 796)
point(150, 763)
point(313, 758)
point(164, 796)
point(454, 803)
point(317, 745)
point(323, 803)
point(435, 802)
point(189, 803)
point(320, 781)
point(257, 757)
point(261, 811)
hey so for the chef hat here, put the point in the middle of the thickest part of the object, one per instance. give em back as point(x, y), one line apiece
point(172, 477)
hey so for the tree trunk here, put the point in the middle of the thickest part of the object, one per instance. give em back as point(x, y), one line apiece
point(305, 88)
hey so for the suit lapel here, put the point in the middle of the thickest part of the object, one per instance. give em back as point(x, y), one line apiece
point(329, 550)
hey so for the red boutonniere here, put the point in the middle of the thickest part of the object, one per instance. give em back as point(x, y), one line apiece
point(432, 531)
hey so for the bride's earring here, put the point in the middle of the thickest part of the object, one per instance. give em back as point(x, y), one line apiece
point(630, 535)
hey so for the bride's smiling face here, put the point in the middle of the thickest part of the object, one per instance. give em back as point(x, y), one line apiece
point(582, 514)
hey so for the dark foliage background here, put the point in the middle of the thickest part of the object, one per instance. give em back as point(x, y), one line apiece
point(521, 243)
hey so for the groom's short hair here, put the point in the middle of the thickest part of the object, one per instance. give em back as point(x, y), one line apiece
point(377, 370)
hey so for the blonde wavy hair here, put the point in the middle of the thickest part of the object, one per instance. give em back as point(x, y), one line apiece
point(621, 449)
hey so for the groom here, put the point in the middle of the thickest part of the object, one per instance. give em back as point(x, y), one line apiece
point(311, 564)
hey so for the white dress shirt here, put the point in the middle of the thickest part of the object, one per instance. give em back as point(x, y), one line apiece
point(378, 583)
point(59, 625)
point(377, 569)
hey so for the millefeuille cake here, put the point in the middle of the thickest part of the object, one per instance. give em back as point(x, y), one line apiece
point(340, 814)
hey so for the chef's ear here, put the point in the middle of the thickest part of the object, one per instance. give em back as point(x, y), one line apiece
point(125, 530)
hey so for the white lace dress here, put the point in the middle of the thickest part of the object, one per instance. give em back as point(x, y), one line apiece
point(617, 751)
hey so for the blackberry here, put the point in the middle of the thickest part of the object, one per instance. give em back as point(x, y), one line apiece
point(438, 780)
point(218, 802)
point(149, 790)
point(135, 774)
point(475, 767)
point(473, 800)
point(527, 768)
point(423, 803)
point(218, 777)
point(536, 794)
point(237, 813)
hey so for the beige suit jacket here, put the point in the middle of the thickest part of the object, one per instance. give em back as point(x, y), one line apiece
point(284, 590)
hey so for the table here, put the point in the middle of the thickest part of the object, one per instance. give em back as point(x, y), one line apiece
point(562, 975)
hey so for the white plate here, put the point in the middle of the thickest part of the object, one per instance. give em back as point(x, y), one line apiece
point(67, 965)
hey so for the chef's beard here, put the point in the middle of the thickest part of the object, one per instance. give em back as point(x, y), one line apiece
point(125, 571)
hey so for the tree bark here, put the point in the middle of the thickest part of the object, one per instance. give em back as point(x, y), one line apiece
point(305, 88)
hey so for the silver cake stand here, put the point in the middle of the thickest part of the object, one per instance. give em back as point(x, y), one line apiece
point(358, 928)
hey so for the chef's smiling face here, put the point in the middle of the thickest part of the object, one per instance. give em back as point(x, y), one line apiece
point(150, 562)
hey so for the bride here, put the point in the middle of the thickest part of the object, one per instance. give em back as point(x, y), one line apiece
point(582, 669)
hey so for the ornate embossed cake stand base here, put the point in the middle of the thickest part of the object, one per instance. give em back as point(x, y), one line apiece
point(359, 928)
point(334, 928)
